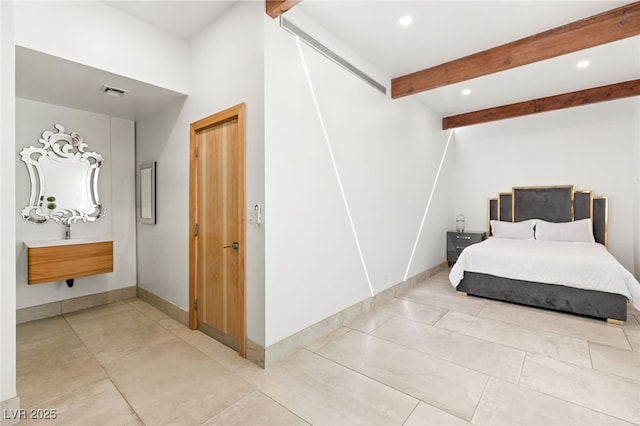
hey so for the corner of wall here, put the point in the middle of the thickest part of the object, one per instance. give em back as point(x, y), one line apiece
point(637, 203)
point(8, 394)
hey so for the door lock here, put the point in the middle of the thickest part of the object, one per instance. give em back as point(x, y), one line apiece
point(234, 245)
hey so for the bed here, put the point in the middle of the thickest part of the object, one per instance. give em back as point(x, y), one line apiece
point(567, 268)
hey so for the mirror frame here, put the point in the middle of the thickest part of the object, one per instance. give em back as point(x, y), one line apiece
point(65, 148)
point(147, 194)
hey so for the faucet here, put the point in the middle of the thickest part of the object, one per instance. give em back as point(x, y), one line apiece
point(67, 231)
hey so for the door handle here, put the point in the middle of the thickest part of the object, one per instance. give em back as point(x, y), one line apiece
point(234, 245)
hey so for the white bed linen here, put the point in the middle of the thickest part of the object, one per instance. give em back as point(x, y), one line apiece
point(574, 264)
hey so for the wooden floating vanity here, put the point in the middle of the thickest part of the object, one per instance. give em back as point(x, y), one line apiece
point(60, 260)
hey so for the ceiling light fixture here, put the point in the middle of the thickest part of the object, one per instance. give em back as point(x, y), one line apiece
point(466, 92)
point(583, 64)
point(405, 21)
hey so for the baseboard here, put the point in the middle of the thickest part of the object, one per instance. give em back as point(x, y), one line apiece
point(299, 340)
point(164, 306)
point(255, 353)
point(11, 412)
point(53, 309)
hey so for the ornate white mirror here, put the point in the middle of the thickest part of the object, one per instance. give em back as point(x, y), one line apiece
point(64, 179)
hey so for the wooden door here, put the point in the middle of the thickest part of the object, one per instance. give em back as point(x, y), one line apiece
point(217, 290)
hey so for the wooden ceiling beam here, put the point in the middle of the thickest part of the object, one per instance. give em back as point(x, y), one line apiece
point(275, 8)
point(599, 29)
point(551, 103)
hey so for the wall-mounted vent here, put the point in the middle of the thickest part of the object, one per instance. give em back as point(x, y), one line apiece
point(113, 91)
point(324, 50)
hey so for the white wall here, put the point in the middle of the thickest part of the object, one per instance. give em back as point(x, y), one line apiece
point(7, 207)
point(94, 34)
point(592, 147)
point(225, 69)
point(386, 152)
point(113, 138)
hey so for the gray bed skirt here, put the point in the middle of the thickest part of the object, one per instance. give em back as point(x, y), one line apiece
point(551, 296)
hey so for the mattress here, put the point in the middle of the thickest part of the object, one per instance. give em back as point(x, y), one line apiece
point(581, 265)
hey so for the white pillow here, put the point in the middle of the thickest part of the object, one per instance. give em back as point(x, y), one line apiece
point(577, 231)
point(515, 230)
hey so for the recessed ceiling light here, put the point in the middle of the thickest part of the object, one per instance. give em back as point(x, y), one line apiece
point(466, 92)
point(583, 64)
point(406, 20)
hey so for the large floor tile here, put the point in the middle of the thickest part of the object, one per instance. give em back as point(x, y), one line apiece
point(554, 322)
point(616, 396)
point(314, 346)
point(147, 309)
point(633, 336)
point(99, 403)
point(564, 348)
point(442, 277)
point(53, 364)
point(325, 393)
point(368, 321)
point(507, 404)
point(34, 332)
point(170, 324)
point(99, 312)
point(256, 409)
point(487, 357)
point(426, 414)
point(632, 322)
point(445, 385)
point(40, 374)
point(118, 314)
point(215, 350)
point(116, 335)
point(173, 383)
point(413, 310)
point(438, 287)
point(452, 302)
point(617, 361)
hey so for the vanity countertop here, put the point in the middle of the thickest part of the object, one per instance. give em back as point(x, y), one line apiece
point(62, 242)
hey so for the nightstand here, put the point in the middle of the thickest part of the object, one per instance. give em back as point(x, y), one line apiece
point(458, 241)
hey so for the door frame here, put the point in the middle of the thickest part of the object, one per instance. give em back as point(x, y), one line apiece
point(236, 112)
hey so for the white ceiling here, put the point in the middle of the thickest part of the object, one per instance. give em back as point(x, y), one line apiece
point(181, 18)
point(53, 80)
point(441, 31)
point(447, 30)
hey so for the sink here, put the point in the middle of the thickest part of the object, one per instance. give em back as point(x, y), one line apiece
point(51, 243)
point(59, 260)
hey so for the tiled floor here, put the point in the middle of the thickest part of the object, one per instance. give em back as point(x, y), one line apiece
point(429, 357)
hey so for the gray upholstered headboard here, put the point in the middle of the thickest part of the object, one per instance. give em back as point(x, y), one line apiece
point(551, 203)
